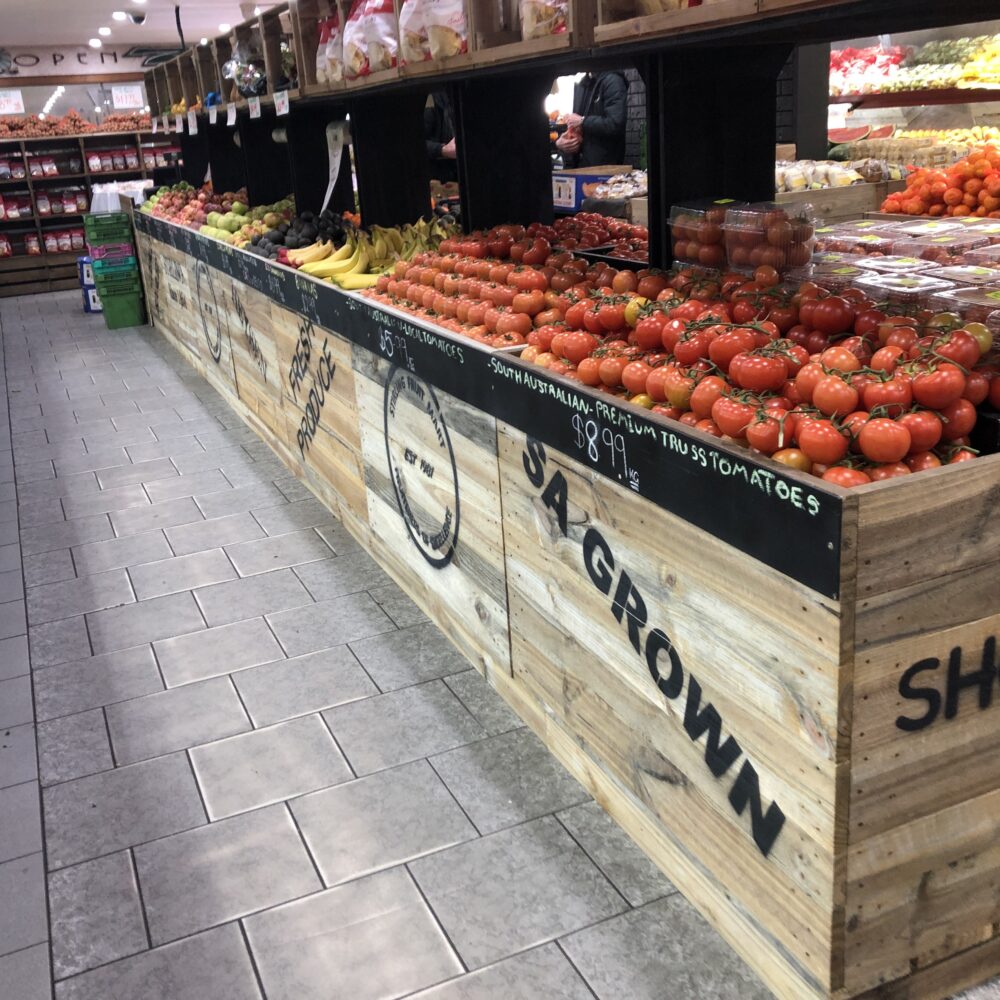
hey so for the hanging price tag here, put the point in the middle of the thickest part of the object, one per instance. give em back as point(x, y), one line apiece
point(166, 123)
point(231, 114)
point(336, 136)
point(213, 115)
point(192, 123)
point(254, 104)
point(281, 102)
point(179, 124)
point(156, 125)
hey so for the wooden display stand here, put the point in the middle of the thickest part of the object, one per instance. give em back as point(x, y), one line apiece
point(780, 689)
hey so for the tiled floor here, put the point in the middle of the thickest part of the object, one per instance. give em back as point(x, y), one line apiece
point(260, 771)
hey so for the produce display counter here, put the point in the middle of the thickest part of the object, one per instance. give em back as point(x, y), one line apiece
point(779, 688)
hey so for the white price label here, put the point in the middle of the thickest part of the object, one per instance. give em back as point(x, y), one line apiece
point(11, 102)
point(281, 102)
point(254, 104)
point(166, 123)
point(213, 115)
point(179, 124)
point(192, 122)
point(156, 125)
point(231, 114)
point(563, 192)
point(127, 97)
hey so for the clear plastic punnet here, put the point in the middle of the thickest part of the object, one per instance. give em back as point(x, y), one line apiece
point(696, 231)
point(903, 289)
point(833, 277)
point(897, 264)
point(948, 248)
point(969, 274)
point(974, 305)
point(767, 233)
point(985, 257)
point(853, 241)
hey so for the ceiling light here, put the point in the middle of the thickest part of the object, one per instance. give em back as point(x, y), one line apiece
point(118, 15)
point(139, 1)
point(256, 12)
point(95, 43)
point(104, 31)
point(203, 41)
point(42, 116)
point(146, 109)
point(224, 28)
point(97, 110)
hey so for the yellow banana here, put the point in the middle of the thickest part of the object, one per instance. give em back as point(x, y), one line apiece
point(329, 267)
point(355, 282)
point(311, 254)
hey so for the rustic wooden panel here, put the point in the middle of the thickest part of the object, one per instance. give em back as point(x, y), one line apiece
point(433, 482)
point(773, 683)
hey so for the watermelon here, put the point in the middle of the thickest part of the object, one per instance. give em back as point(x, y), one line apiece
point(882, 132)
point(838, 136)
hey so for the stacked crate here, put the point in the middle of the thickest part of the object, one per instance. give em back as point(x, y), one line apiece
point(116, 269)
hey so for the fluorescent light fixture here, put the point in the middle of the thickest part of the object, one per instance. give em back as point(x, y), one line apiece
point(256, 12)
point(118, 15)
point(95, 43)
point(140, 2)
point(224, 28)
point(146, 109)
point(97, 110)
point(203, 41)
point(104, 31)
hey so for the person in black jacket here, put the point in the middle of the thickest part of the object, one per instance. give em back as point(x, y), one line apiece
point(595, 131)
point(439, 132)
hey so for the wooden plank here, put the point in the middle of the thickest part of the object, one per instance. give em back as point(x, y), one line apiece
point(668, 22)
point(774, 684)
point(837, 204)
point(432, 480)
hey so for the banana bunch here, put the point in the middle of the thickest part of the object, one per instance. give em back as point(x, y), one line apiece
point(312, 254)
point(351, 258)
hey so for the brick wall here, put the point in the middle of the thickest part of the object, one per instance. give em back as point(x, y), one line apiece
point(636, 118)
point(785, 118)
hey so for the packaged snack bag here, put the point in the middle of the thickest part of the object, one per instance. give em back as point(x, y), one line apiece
point(4, 170)
point(42, 203)
point(324, 37)
point(79, 239)
point(335, 51)
point(543, 17)
point(5, 250)
point(31, 245)
point(446, 29)
point(413, 44)
point(3, 209)
point(356, 42)
point(64, 240)
point(51, 242)
point(381, 32)
point(69, 201)
point(81, 200)
point(49, 168)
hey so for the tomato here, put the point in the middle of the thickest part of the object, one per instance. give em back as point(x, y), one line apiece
point(649, 331)
point(708, 427)
point(536, 253)
point(889, 471)
point(995, 392)
point(902, 336)
point(938, 388)
point(884, 440)
point(611, 369)
point(592, 320)
point(821, 441)
point(611, 316)
point(678, 386)
point(920, 460)
point(578, 345)
point(692, 346)
point(817, 342)
point(574, 314)
point(977, 387)
point(925, 429)
point(894, 394)
point(832, 315)
point(867, 321)
point(641, 399)
point(546, 359)
point(745, 310)
point(885, 359)
point(982, 335)
point(959, 418)
point(672, 331)
point(727, 345)
point(860, 347)
point(510, 322)
point(767, 276)
point(842, 475)
point(759, 372)
point(808, 377)
point(962, 455)
point(958, 346)
point(840, 359)
point(651, 285)
point(634, 376)
point(732, 416)
point(793, 458)
point(688, 418)
point(769, 432)
point(511, 339)
point(833, 396)
point(708, 390)
point(532, 302)
point(783, 317)
point(587, 371)
point(530, 353)
point(670, 412)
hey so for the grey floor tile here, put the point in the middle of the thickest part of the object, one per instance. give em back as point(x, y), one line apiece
point(68, 598)
point(170, 576)
point(15, 701)
point(293, 516)
point(57, 642)
point(115, 809)
point(12, 619)
point(507, 779)
point(219, 872)
point(217, 458)
point(631, 872)
point(96, 681)
point(513, 890)
point(14, 657)
point(252, 596)
point(392, 599)
point(10, 557)
point(34, 472)
point(219, 531)
point(332, 946)
point(96, 914)
point(158, 515)
point(17, 755)
point(664, 942)
point(117, 553)
point(48, 489)
point(103, 458)
point(284, 689)
point(48, 567)
point(175, 720)
point(65, 534)
point(23, 920)
point(329, 623)
point(8, 533)
point(26, 973)
point(210, 966)
point(244, 498)
point(416, 654)
point(73, 746)
point(540, 973)
point(208, 481)
point(350, 573)
point(215, 651)
point(35, 512)
point(268, 765)
point(393, 728)
point(340, 539)
point(147, 621)
point(20, 822)
point(380, 821)
point(490, 710)
point(292, 489)
point(278, 552)
point(164, 449)
point(117, 498)
point(141, 472)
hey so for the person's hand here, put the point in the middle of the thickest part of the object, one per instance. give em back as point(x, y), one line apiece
point(574, 121)
point(569, 142)
point(448, 150)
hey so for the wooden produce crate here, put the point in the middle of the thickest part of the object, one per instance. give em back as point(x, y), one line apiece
point(620, 20)
point(838, 204)
point(496, 33)
point(782, 690)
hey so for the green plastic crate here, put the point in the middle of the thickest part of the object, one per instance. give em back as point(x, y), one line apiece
point(126, 284)
point(107, 227)
point(121, 311)
point(124, 265)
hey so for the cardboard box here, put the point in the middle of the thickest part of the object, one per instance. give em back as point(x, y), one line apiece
point(570, 187)
point(638, 211)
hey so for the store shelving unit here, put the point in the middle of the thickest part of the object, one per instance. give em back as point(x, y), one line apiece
point(25, 274)
point(918, 98)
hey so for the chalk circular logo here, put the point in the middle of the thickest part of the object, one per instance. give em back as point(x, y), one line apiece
point(421, 466)
point(211, 319)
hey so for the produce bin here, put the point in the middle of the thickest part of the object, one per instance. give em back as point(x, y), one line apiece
point(123, 310)
point(107, 227)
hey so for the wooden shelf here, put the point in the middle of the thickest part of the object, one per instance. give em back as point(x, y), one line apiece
point(917, 98)
point(57, 177)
